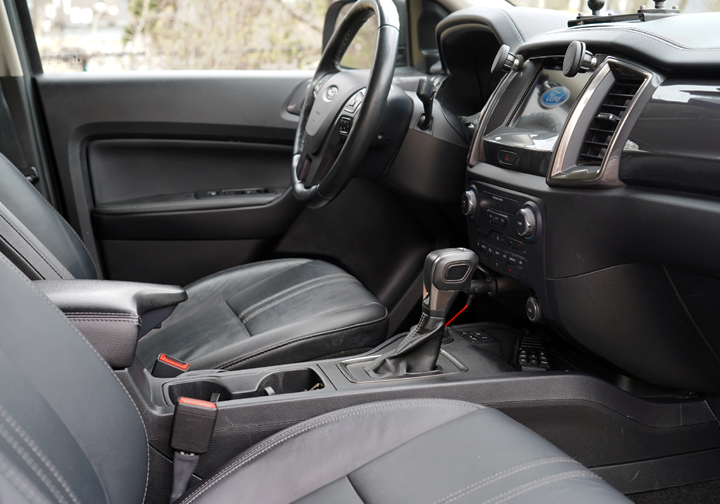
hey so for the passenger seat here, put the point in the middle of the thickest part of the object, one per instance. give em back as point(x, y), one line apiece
point(268, 313)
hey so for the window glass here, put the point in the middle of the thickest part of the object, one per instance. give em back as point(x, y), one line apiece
point(116, 35)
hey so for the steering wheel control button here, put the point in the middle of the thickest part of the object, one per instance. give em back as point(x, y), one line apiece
point(525, 222)
point(345, 125)
point(532, 309)
point(354, 102)
point(468, 203)
point(507, 158)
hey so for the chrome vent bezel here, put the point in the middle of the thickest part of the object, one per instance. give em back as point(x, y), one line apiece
point(564, 166)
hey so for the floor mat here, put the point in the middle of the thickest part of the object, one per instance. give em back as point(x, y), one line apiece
point(707, 492)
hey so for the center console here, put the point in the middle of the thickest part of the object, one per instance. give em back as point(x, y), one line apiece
point(507, 231)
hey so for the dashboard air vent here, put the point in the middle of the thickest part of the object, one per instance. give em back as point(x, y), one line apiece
point(606, 120)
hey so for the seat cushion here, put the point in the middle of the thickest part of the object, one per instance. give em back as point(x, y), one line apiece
point(420, 451)
point(269, 313)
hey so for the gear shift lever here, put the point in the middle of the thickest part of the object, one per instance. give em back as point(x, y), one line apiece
point(446, 272)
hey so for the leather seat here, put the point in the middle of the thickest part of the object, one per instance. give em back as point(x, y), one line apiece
point(70, 433)
point(274, 312)
point(268, 313)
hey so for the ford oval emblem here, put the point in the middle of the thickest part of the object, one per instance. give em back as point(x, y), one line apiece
point(331, 93)
point(555, 97)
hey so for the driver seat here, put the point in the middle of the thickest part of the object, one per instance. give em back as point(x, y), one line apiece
point(261, 314)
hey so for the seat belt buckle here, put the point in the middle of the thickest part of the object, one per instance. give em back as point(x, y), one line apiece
point(193, 425)
point(168, 367)
point(192, 430)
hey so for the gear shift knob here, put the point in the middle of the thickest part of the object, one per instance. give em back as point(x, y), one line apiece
point(446, 272)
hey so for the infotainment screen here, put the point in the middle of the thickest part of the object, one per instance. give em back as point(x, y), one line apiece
point(539, 119)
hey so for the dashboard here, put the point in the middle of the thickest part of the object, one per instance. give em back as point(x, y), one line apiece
point(592, 178)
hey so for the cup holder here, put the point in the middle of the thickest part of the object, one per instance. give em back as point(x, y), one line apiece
point(242, 386)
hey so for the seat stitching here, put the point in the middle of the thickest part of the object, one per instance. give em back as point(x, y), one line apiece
point(32, 465)
point(303, 338)
point(106, 319)
point(532, 485)
point(244, 266)
point(100, 313)
point(501, 475)
point(18, 483)
point(29, 243)
point(249, 308)
point(292, 295)
point(309, 425)
point(38, 451)
point(87, 342)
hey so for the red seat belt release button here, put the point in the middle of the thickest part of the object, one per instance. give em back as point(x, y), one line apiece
point(168, 367)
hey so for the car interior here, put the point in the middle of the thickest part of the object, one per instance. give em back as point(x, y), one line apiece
point(479, 270)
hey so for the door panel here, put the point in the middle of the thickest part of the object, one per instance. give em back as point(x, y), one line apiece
point(125, 170)
point(242, 106)
point(160, 138)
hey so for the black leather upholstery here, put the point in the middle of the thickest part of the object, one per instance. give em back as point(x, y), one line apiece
point(113, 315)
point(41, 219)
point(420, 451)
point(267, 313)
point(273, 312)
point(69, 433)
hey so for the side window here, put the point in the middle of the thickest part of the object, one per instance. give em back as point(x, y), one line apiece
point(362, 49)
point(120, 35)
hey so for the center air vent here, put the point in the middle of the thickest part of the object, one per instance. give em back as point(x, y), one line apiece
point(606, 121)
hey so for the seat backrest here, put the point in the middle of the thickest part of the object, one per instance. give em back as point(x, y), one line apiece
point(69, 431)
point(45, 226)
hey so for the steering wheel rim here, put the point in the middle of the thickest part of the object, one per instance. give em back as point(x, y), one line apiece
point(321, 169)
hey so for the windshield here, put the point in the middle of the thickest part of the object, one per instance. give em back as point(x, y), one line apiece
point(615, 6)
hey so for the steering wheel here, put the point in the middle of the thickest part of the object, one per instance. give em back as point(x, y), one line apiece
point(343, 108)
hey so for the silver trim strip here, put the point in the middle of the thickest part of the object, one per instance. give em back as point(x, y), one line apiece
point(607, 175)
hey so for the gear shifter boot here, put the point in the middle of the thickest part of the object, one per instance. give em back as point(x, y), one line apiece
point(416, 353)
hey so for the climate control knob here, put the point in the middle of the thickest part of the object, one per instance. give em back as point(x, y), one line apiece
point(525, 222)
point(469, 203)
